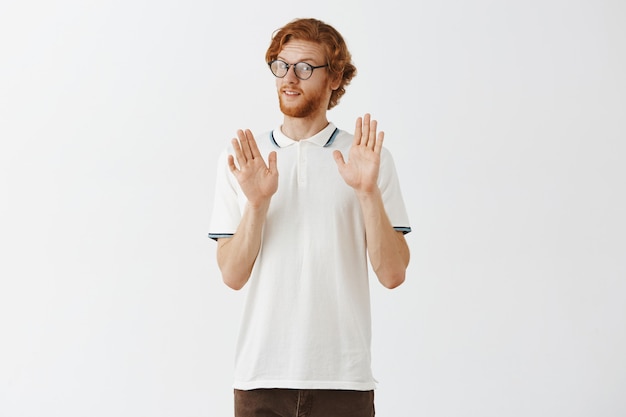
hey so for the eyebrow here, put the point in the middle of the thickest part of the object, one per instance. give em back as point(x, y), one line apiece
point(307, 60)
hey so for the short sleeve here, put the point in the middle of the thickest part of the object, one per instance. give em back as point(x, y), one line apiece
point(392, 194)
point(226, 213)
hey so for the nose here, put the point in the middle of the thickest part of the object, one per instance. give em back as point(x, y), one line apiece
point(291, 74)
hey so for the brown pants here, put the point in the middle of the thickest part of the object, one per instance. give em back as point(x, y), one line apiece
point(303, 403)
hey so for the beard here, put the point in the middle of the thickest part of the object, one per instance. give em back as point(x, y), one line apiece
point(307, 106)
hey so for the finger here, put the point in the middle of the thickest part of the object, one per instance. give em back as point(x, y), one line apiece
point(254, 149)
point(231, 164)
point(245, 144)
point(271, 161)
point(365, 137)
point(241, 159)
point(357, 131)
point(379, 143)
point(371, 139)
point(338, 156)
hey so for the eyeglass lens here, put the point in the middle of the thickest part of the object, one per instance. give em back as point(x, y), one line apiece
point(302, 69)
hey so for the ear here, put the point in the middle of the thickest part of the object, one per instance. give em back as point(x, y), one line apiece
point(336, 81)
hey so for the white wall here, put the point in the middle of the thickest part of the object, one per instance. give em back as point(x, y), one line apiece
point(507, 122)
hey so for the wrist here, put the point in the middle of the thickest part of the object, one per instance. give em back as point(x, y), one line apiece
point(366, 195)
point(259, 206)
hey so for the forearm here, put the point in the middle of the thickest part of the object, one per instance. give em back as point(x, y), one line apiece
point(236, 255)
point(387, 249)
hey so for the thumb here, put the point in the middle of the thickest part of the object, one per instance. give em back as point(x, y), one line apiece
point(271, 160)
point(338, 156)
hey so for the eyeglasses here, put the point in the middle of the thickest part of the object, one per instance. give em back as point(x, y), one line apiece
point(302, 70)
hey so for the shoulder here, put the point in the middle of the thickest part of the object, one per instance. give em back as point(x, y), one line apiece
point(343, 140)
point(263, 140)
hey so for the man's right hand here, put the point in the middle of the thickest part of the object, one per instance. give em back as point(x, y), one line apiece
point(257, 180)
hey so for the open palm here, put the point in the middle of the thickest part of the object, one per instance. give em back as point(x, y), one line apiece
point(257, 180)
point(361, 170)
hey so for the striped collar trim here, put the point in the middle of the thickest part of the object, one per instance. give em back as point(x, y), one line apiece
point(323, 138)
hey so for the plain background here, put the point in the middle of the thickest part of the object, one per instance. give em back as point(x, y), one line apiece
point(507, 121)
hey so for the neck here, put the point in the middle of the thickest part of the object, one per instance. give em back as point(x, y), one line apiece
point(298, 128)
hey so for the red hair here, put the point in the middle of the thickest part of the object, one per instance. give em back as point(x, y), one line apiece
point(338, 57)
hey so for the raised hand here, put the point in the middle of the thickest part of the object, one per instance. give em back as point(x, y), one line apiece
point(258, 181)
point(361, 170)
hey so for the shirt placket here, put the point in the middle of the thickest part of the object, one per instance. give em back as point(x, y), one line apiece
point(302, 163)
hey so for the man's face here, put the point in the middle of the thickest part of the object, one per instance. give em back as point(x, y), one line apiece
point(304, 98)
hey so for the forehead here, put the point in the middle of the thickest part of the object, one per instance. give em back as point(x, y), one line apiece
point(298, 50)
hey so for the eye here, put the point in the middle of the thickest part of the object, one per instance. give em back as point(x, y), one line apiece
point(303, 66)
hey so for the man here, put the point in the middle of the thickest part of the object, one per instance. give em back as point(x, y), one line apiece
point(298, 230)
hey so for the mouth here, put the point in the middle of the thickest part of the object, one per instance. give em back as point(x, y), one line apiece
point(290, 92)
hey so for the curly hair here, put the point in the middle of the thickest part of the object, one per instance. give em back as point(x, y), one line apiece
point(338, 57)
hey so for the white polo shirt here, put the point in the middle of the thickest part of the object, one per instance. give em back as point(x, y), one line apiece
point(306, 320)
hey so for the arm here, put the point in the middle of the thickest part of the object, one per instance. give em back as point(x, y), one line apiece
point(236, 255)
point(386, 247)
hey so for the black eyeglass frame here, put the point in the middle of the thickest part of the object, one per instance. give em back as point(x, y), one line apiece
point(313, 67)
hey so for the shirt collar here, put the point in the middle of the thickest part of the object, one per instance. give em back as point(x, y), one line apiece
point(323, 138)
